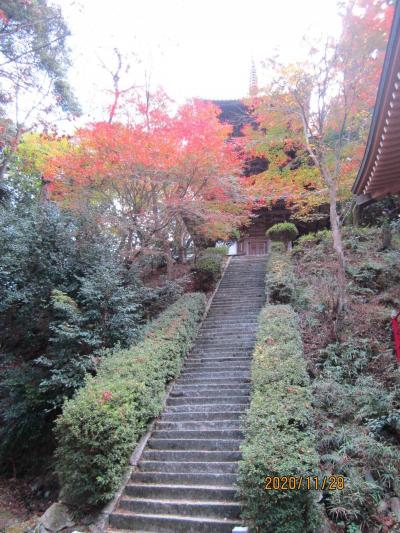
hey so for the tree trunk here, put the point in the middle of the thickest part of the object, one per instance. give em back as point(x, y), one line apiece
point(356, 215)
point(386, 238)
point(288, 246)
point(337, 245)
point(168, 258)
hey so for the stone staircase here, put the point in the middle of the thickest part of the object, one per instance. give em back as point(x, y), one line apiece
point(185, 481)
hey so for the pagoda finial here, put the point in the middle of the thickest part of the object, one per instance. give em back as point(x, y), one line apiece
point(253, 87)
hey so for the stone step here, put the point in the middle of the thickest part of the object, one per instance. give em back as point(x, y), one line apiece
point(201, 396)
point(225, 434)
point(224, 344)
point(239, 301)
point(181, 391)
point(211, 509)
point(243, 310)
point(191, 455)
point(223, 331)
point(231, 285)
point(246, 311)
point(195, 444)
point(227, 328)
point(222, 374)
point(214, 367)
point(219, 371)
point(216, 317)
point(224, 340)
point(221, 352)
point(222, 356)
point(229, 324)
point(233, 335)
point(201, 400)
point(184, 478)
point(209, 355)
point(213, 380)
point(227, 321)
point(238, 308)
point(192, 492)
point(203, 416)
point(226, 405)
point(189, 466)
point(229, 359)
point(204, 425)
point(210, 387)
point(237, 364)
point(169, 523)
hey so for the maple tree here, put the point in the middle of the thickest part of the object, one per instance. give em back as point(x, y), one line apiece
point(160, 178)
point(314, 118)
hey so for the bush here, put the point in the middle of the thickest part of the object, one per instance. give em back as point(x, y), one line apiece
point(101, 425)
point(64, 294)
point(313, 246)
point(370, 467)
point(284, 231)
point(278, 436)
point(208, 267)
point(316, 238)
point(377, 276)
point(279, 281)
point(220, 250)
point(359, 427)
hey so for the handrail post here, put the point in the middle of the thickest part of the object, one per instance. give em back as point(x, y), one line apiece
point(396, 333)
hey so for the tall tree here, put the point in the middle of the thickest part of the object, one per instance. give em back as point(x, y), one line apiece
point(33, 67)
point(158, 174)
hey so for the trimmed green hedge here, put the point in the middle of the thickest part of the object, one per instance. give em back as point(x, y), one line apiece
point(280, 283)
point(279, 440)
point(284, 232)
point(208, 266)
point(219, 250)
point(101, 425)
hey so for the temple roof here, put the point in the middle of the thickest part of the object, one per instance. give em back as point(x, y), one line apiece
point(236, 113)
point(379, 173)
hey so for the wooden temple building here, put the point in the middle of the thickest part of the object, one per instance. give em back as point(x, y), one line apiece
point(379, 173)
point(253, 240)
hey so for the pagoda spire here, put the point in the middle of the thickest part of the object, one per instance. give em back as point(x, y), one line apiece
point(253, 86)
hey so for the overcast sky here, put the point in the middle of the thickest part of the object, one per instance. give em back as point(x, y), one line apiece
point(193, 48)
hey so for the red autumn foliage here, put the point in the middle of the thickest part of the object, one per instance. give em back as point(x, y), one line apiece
point(156, 170)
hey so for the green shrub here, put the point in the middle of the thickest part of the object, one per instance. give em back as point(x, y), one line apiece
point(358, 426)
point(308, 237)
point(314, 244)
point(101, 425)
point(280, 281)
point(323, 235)
point(278, 437)
point(209, 264)
point(359, 238)
point(65, 293)
point(285, 232)
point(208, 267)
point(345, 361)
point(376, 276)
point(370, 468)
point(220, 250)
